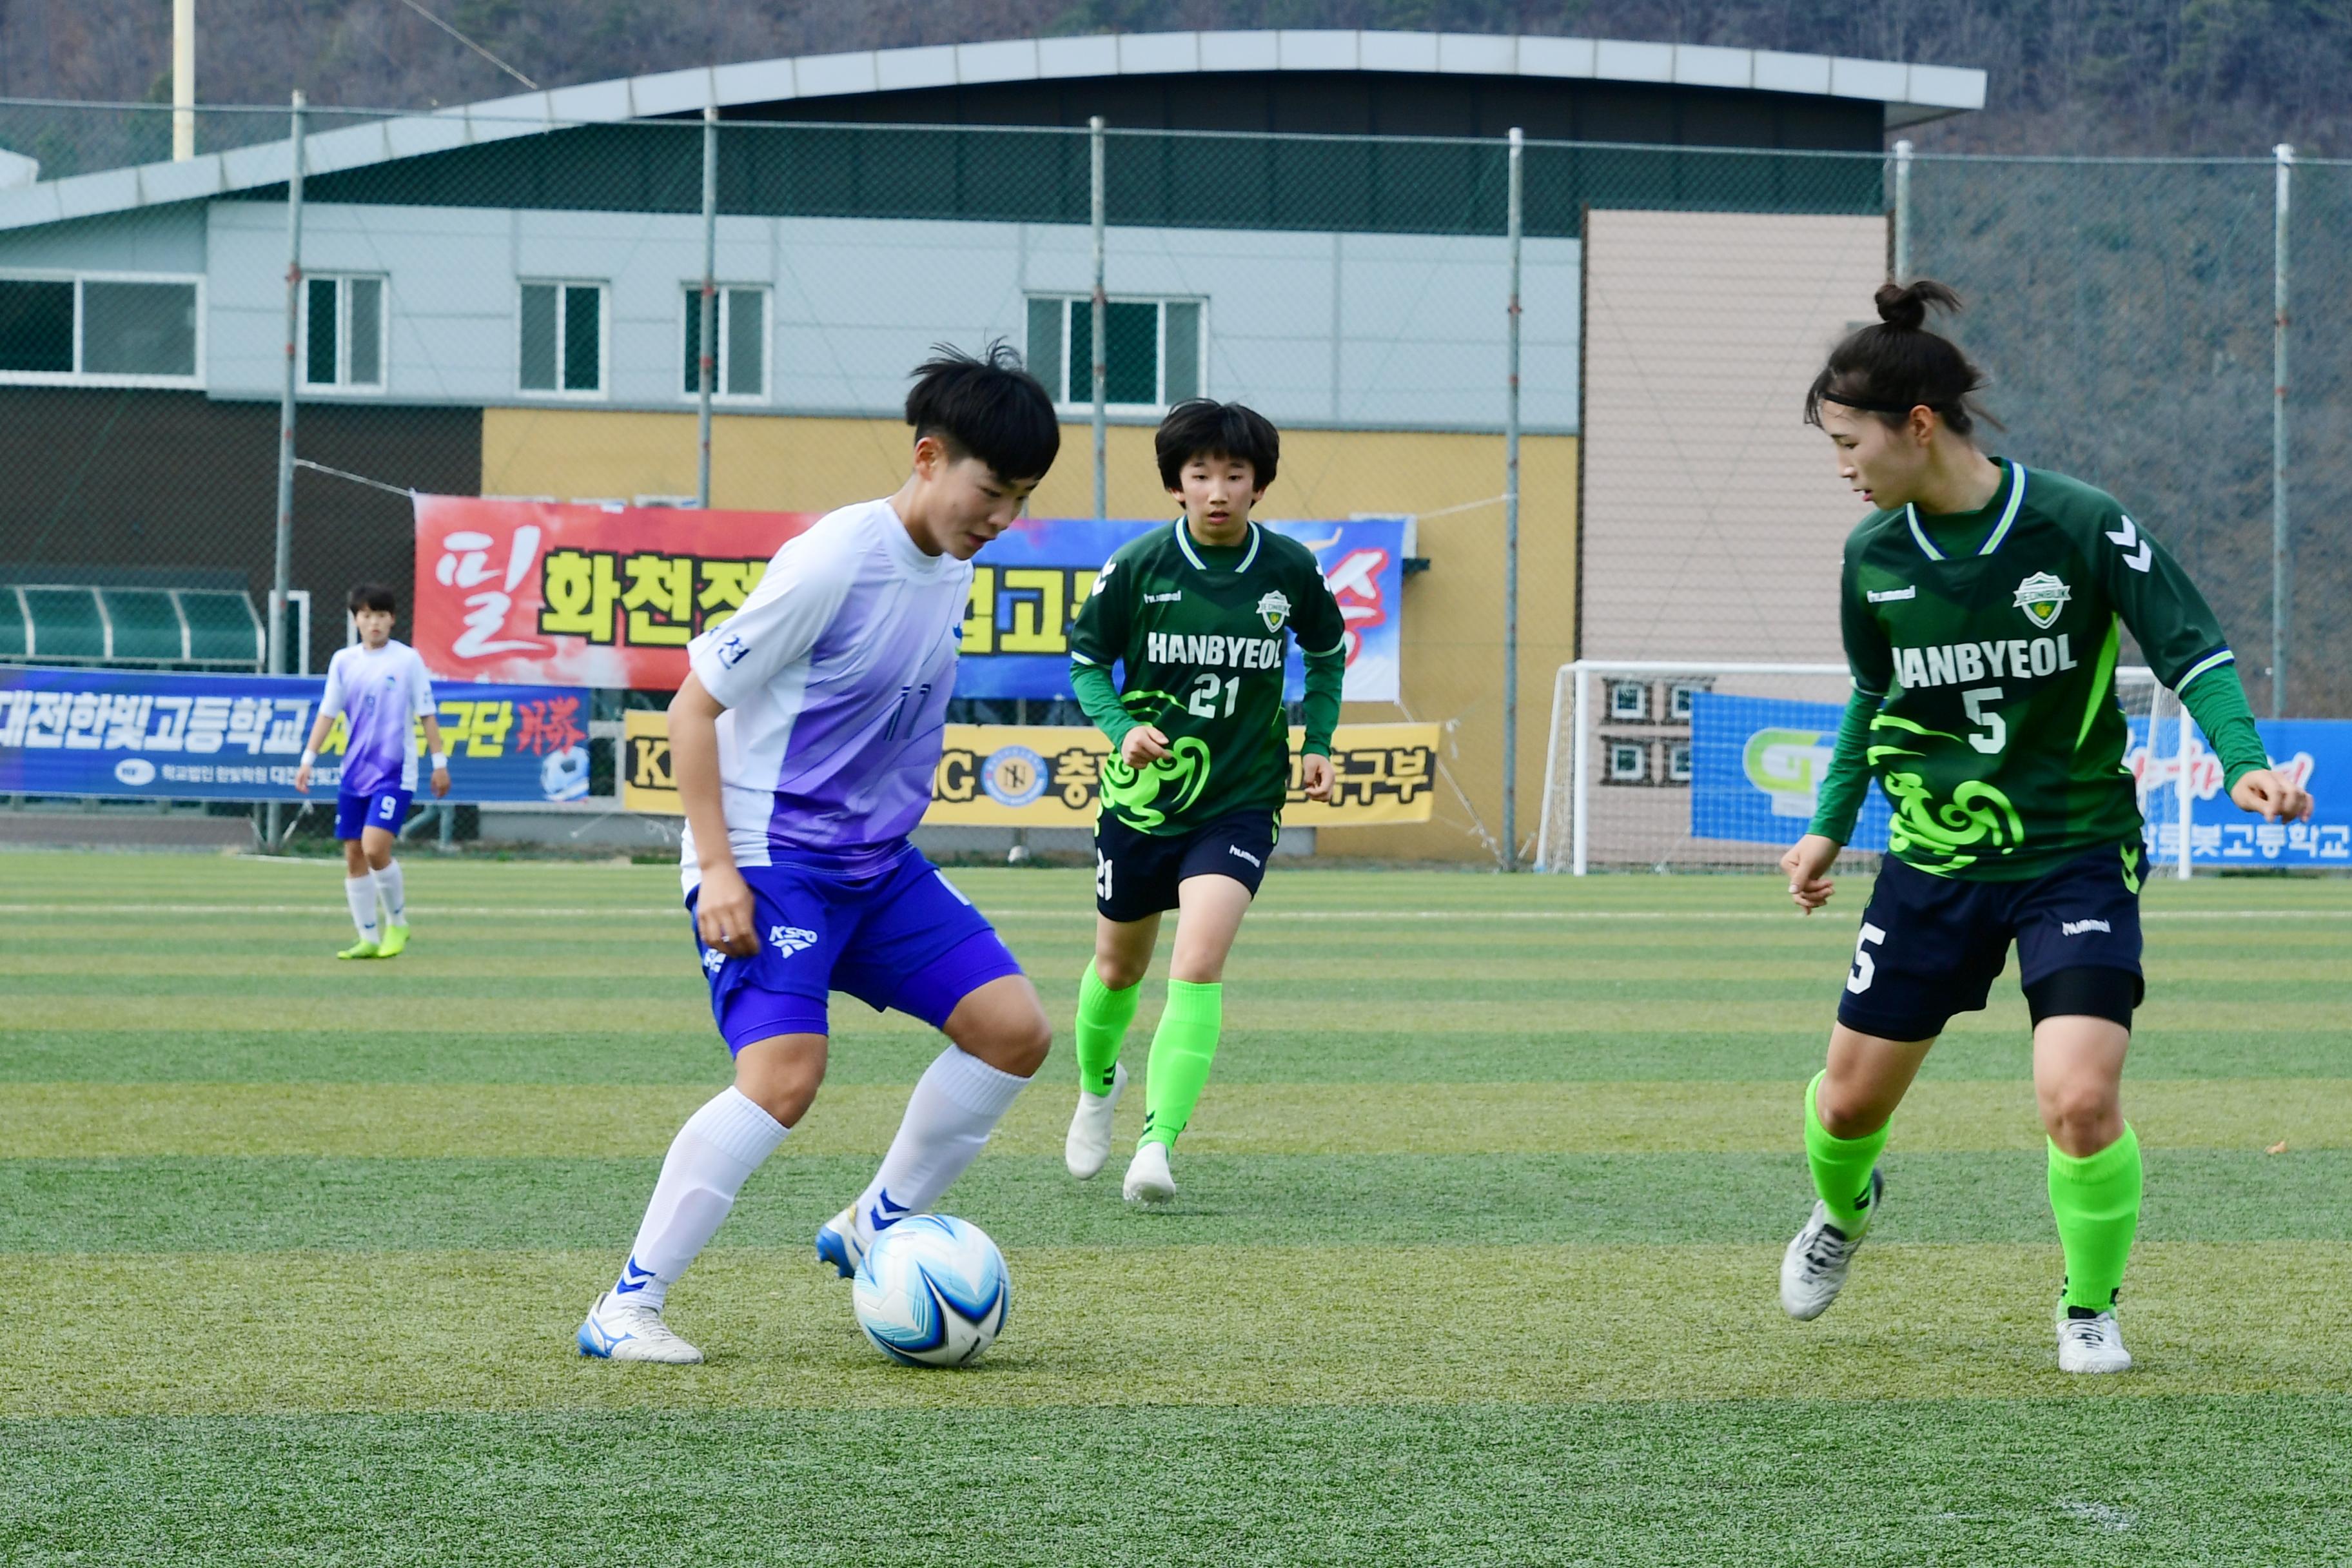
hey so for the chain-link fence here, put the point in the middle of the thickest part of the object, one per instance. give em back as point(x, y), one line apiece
point(514, 307)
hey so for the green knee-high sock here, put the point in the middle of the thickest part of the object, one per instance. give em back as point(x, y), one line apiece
point(2096, 1200)
point(1182, 1049)
point(1840, 1166)
point(1103, 1017)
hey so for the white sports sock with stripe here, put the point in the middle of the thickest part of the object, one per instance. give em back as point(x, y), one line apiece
point(359, 893)
point(955, 1106)
point(395, 888)
point(708, 1162)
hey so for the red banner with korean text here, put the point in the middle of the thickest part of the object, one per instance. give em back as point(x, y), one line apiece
point(580, 595)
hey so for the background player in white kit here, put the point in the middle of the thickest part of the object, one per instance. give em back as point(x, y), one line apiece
point(803, 744)
point(380, 688)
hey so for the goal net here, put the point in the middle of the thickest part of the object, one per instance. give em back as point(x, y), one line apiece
point(1656, 765)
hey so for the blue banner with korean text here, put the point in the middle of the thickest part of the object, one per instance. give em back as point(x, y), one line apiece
point(1757, 768)
point(161, 736)
point(2316, 753)
point(1027, 586)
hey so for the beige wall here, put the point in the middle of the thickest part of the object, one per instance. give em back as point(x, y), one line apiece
point(1452, 616)
point(1713, 519)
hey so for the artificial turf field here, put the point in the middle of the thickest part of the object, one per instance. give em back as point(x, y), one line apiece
point(1474, 1261)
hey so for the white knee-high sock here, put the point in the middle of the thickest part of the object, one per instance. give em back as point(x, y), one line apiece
point(710, 1159)
point(955, 1106)
point(359, 893)
point(395, 888)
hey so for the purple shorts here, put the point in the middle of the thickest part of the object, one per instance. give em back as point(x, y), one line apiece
point(901, 937)
point(386, 808)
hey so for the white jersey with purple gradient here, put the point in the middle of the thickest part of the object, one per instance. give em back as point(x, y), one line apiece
point(835, 676)
point(380, 692)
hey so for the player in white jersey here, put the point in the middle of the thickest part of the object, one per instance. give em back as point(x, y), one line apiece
point(380, 688)
point(804, 745)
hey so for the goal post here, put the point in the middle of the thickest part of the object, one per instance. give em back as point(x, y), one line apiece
point(1669, 765)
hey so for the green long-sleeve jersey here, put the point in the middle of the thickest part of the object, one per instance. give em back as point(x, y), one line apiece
point(1983, 648)
point(1202, 633)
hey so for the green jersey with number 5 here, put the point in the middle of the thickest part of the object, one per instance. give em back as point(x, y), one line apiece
point(1983, 646)
point(1203, 633)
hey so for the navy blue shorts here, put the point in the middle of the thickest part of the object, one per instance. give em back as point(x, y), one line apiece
point(1138, 874)
point(901, 937)
point(387, 809)
point(1932, 946)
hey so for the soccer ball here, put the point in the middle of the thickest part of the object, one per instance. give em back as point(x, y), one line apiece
point(932, 1291)
point(564, 775)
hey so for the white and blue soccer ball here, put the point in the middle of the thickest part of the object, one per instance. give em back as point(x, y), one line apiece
point(564, 775)
point(932, 1291)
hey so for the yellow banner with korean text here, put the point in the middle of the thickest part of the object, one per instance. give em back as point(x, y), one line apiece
point(1049, 775)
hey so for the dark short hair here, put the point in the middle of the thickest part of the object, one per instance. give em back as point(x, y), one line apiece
point(1897, 364)
point(371, 596)
point(1205, 428)
point(987, 407)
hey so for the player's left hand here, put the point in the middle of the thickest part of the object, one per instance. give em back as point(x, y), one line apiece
point(440, 782)
point(1315, 775)
point(2271, 795)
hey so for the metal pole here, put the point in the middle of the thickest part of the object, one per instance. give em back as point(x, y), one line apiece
point(282, 571)
point(183, 80)
point(2184, 803)
point(1101, 325)
point(1902, 211)
point(1579, 787)
point(1511, 530)
point(2282, 550)
point(706, 359)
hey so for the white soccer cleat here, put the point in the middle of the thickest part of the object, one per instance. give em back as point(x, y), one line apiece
point(1148, 1181)
point(631, 1330)
point(1812, 1271)
point(2090, 1344)
point(840, 1243)
point(1088, 1145)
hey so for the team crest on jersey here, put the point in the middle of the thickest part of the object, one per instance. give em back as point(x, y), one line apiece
point(1274, 609)
point(2041, 597)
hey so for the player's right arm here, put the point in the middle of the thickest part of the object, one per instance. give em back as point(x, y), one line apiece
point(729, 664)
point(1839, 797)
point(330, 704)
point(1098, 640)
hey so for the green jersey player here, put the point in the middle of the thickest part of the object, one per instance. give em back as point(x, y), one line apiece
point(1198, 615)
point(1982, 605)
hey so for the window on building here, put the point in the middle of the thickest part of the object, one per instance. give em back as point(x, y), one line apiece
point(1628, 762)
point(563, 337)
point(1679, 697)
point(342, 331)
point(1152, 355)
point(1678, 762)
point(742, 337)
point(97, 329)
point(1629, 700)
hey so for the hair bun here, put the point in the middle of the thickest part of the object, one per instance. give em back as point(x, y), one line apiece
point(1904, 306)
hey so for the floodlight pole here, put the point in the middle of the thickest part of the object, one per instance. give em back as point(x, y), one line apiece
point(1515, 224)
point(282, 570)
point(183, 80)
point(1101, 308)
point(1902, 258)
point(707, 342)
point(2282, 544)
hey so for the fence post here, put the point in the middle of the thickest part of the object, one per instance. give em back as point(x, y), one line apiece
point(707, 341)
point(1101, 309)
point(2282, 551)
point(1580, 784)
point(282, 567)
point(183, 80)
point(1514, 222)
point(1902, 210)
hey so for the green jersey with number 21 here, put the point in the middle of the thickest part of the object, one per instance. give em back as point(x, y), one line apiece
point(1990, 639)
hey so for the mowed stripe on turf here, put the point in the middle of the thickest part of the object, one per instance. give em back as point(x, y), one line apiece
point(109, 1334)
point(80, 1119)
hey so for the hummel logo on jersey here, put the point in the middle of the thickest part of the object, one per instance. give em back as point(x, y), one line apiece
point(1102, 577)
point(2127, 536)
point(1237, 849)
point(1889, 595)
point(2076, 928)
point(1274, 609)
point(1171, 598)
point(789, 940)
point(713, 961)
point(2041, 597)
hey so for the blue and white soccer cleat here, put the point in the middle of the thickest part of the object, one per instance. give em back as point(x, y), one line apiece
point(1812, 1271)
point(618, 1328)
point(842, 1240)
